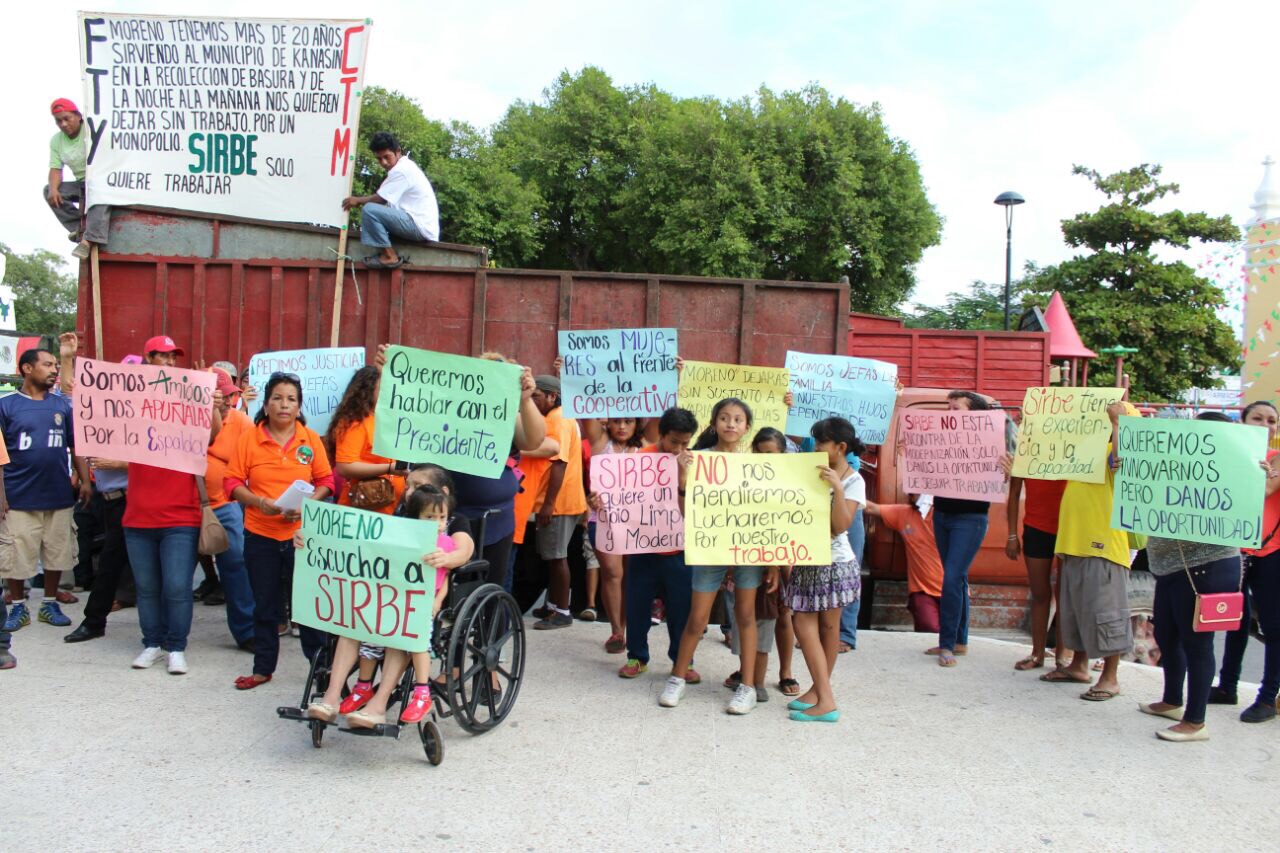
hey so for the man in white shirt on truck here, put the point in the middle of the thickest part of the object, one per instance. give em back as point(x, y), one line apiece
point(404, 205)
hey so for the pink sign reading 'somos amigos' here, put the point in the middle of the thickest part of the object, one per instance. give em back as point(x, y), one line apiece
point(155, 415)
point(639, 510)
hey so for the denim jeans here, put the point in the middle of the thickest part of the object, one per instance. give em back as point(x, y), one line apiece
point(1187, 654)
point(380, 222)
point(1261, 590)
point(4, 617)
point(849, 618)
point(651, 576)
point(268, 561)
point(164, 563)
point(233, 575)
point(959, 536)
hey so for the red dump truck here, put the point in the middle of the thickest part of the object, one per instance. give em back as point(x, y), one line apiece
point(227, 288)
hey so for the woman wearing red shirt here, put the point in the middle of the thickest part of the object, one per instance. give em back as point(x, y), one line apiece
point(1039, 538)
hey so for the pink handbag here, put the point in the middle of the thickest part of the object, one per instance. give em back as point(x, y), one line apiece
point(1217, 611)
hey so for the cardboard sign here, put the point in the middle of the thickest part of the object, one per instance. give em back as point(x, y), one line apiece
point(757, 509)
point(1198, 481)
point(1064, 434)
point(159, 416)
point(953, 454)
point(863, 391)
point(704, 383)
point(618, 373)
point(324, 373)
point(250, 117)
point(455, 411)
point(361, 575)
point(639, 503)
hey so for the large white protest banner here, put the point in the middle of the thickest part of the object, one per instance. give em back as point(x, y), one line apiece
point(252, 117)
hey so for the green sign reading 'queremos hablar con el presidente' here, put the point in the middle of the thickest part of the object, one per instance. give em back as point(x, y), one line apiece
point(455, 411)
point(1198, 481)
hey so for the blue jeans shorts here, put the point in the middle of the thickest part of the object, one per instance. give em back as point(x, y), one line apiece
point(709, 578)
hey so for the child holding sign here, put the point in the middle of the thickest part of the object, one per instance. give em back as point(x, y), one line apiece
point(818, 594)
point(731, 421)
point(615, 435)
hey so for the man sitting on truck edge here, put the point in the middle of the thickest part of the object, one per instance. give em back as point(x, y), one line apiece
point(404, 205)
point(70, 148)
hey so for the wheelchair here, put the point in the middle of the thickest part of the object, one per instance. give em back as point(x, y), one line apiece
point(478, 636)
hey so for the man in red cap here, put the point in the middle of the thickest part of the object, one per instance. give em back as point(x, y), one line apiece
point(70, 148)
point(162, 350)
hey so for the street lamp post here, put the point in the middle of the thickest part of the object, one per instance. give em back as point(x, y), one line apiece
point(1007, 200)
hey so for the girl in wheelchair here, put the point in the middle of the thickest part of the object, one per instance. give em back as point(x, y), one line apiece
point(428, 496)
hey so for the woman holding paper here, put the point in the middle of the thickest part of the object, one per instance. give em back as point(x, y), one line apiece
point(269, 459)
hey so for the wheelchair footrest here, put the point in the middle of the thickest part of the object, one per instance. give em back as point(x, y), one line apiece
point(391, 730)
point(292, 712)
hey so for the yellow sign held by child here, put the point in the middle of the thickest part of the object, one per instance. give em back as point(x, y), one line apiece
point(705, 383)
point(766, 509)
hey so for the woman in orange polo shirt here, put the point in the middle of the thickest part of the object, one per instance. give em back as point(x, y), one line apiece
point(351, 440)
point(280, 449)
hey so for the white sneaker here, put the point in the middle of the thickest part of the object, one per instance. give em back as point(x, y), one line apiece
point(744, 699)
point(177, 663)
point(81, 250)
point(672, 693)
point(149, 655)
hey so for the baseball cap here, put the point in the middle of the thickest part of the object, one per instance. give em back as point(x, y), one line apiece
point(162, 343)
point(546, 382)
point(225, 385)
point(228, 367)
point(64, 105)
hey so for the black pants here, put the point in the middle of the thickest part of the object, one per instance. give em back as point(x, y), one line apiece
point(88, 520)
point(1187, 654)
point(1262, 592)
point(269, 562)
point(499, 556)
point(113, 563)
point(531, 572)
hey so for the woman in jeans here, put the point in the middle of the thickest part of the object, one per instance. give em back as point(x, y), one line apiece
point(161, 531)
point(280, 449)
point(959, 526)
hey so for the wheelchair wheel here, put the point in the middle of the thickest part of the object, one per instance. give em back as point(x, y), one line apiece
point(432, 741)
point(317, 733)
point(486, 645)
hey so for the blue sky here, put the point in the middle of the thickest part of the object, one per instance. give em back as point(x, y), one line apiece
point(991, 96)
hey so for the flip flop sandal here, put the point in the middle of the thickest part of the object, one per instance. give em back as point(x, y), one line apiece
point(789, 687)
point(946, 659)
point(248, 682)
point(1093, 694)
point(1061, 678)
point(374, 262)
point(1029, 662)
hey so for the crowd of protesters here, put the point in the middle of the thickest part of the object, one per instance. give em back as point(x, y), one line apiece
point(534, 526)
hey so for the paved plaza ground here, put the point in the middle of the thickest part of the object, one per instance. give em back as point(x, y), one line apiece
point(103, 757)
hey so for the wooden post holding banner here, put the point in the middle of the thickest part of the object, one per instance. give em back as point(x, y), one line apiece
point(96, 281)
point(351, 176)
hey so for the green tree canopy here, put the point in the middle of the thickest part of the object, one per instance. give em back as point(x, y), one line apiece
point(798, 185)
point(981, 307)
point(1120, 293)
point(45, 295)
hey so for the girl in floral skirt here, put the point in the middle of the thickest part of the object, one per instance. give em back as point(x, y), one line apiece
point(816, 595)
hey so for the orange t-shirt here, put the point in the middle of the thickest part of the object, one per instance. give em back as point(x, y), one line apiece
point(534, 487)
point(572, 498)
point(220, 452)
point(4, 452)
point(1270, 521)
point(1043, 502)
point(355, 444)
point(924, 566)
point(268, 469)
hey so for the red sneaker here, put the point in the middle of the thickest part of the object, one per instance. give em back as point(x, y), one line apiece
point(419, 704)
point(357, 699)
